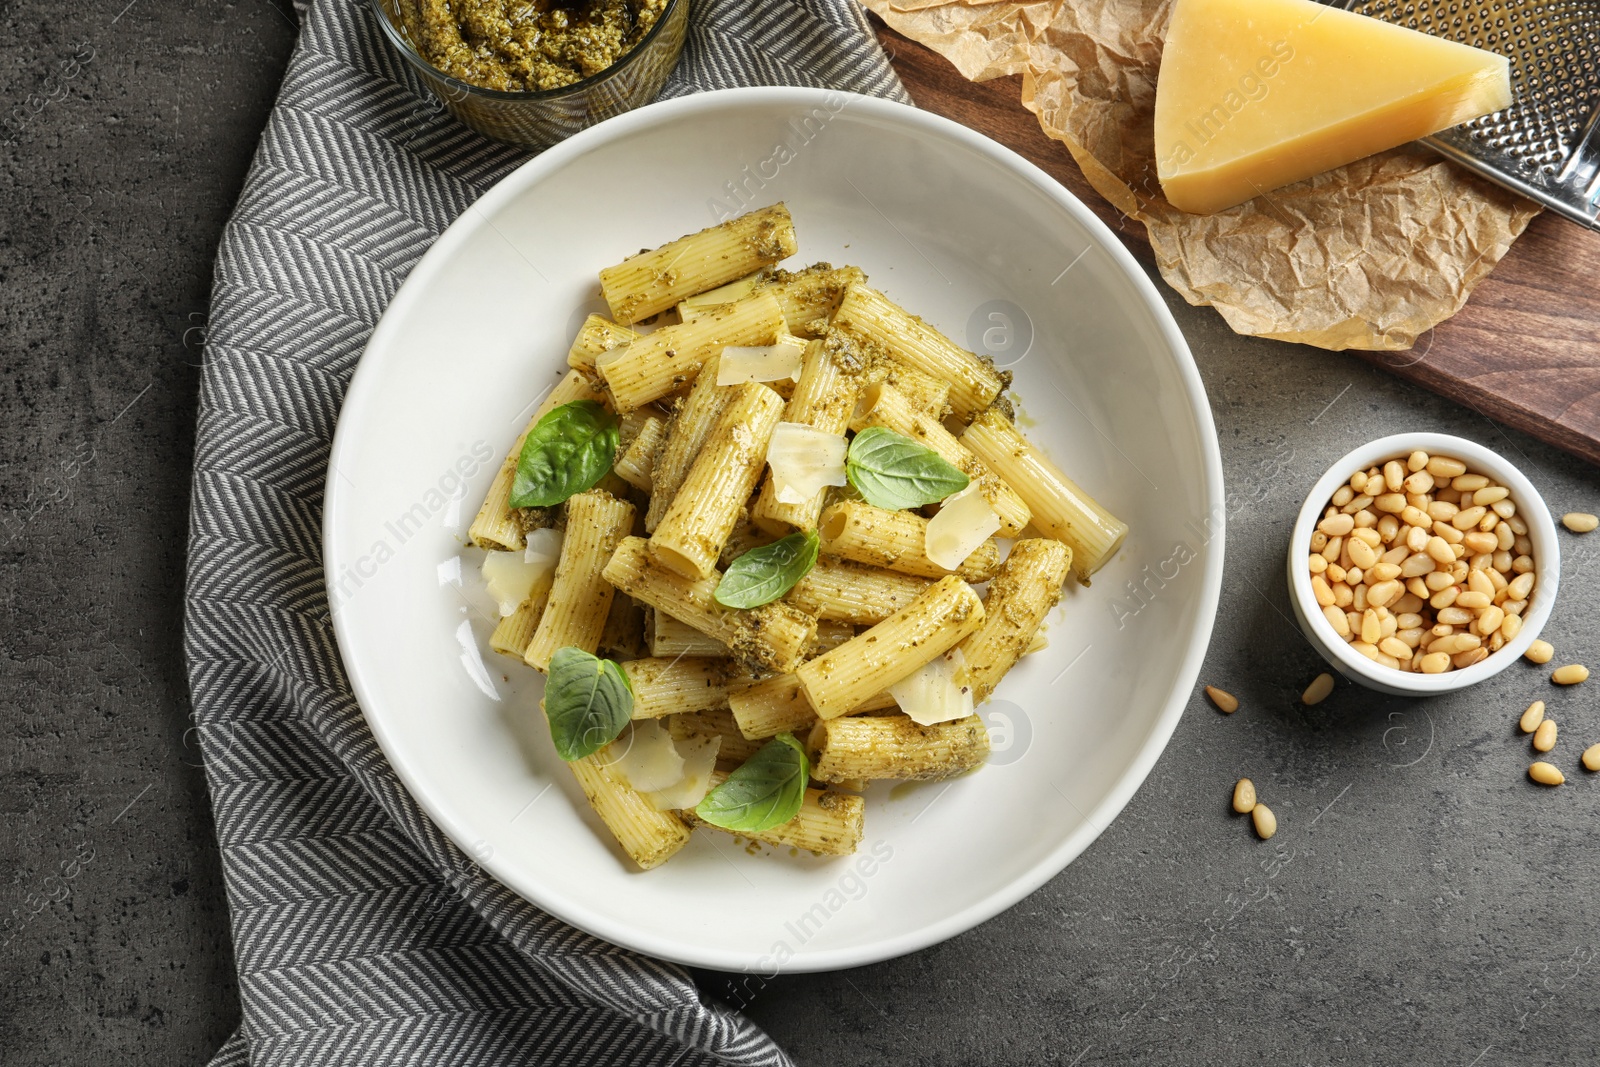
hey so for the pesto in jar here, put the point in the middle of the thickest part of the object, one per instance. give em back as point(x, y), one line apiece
point(527, 45)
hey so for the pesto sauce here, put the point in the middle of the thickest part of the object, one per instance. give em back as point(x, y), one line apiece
point(527, 45)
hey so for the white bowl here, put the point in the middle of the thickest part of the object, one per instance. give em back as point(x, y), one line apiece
point(963, 232)
point(1530, 508)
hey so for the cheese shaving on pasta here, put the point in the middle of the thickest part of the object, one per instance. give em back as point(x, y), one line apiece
point(964, 522)
point(761, 363)
point(670, 774)
point(805, 460)
point(699, 760)
point(511, 578)
point(938, 692)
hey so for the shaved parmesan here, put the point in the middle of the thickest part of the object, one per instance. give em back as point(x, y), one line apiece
point(543, 547)
point(699, 760)
point(761, 363)
point(510, 578)
point(964, 522)
point(804, 460)
point(692, 307)
point(646, 758)
point(939, 692)
point(670, 774)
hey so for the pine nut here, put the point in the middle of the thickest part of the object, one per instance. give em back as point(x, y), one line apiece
point(1393, 646)
point(1473, 601)
point(1513, 607)
point(1371, 628)
point(1316, 564)
point(1396, 555)
point(1504, 539)
point(1417, 460)
point(1490, 494)
point(1336, 573)
point(1411, 603)
point(1445, 467)
point(1463, 660)
point(1420, 482)
point(1490, 621)
point(1358, 481)
point(1394, 503)
point(1344, 495)
point(1360, 503)
point(1539, 652)
point(1416, 517)
point(1502, 561)
point(1444, 598)
point(1318, 690)
point(1225, 701)
point(1521, 586)
point(1266, 823)
point(1439, 550)
point(1571, 674)
point(1591, 758)
point(1337, 619)
point(1511, 627)
point(1580, 521)
point(1503, 508)
point(1544, 736)
point(1388, 528)
point(1319, 541)
point(1455, 616)
point(1384, 593)
point(1416, 538)
point(1545, 774)
point(1532, 717)
point(1337, 525)
point(1365, 519)
point(1321, 590)
point(1244, 796)
point(1383, 572)
point(1332, 549)
point(1435, 663)
point(1468, 518)
point(1468, 482)
point(1437, 581)
point(1478, 542)
point(1361, 554)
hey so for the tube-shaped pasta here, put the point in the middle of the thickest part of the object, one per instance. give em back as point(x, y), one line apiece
point(896, 541)
point(580, 598)
point(648, 836)
point(496, 524)
point(691, 534)
point(637, 462)
point(770, 706)
point(823, 399)
point(653, 281)
point(513, 632)
point(853, 593)
point(1060, 509)
point(668, 636)
point(663, 686)
point(809, 297)
point(772, 637)
point(660, 362)
point(686, 435)
point(872, 319)
point(828, 823)
point(1021, 595)
point(623, 635)
point(718, 722)
point(883, 405)
point(892, 746)
point(597, 337)
point(842, 680)
point(927, 395)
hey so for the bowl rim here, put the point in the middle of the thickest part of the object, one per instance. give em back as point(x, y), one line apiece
point(401, 40)
point(1541, 531)
point(598, 921)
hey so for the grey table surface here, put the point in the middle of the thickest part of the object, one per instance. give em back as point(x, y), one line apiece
point(1421, 902)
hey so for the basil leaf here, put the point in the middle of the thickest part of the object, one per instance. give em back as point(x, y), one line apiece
point(764, 574)
point(892, 471)
point(569, 451)
point(588, 700)
point(766, 791)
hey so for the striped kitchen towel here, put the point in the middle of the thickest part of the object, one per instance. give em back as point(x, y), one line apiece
point(362, 935)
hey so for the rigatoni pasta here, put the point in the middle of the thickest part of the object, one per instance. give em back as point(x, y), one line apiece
point(806, 608)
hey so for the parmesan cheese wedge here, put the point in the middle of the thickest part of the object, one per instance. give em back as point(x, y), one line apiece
point(964, 522)
point(762, 363)
point(1257, 94)
point(937, 692)
point(804, 460)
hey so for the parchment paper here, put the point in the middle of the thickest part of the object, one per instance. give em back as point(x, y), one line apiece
point(1368, 256)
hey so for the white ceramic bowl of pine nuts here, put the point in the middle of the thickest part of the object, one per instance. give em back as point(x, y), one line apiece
point(1413, 514)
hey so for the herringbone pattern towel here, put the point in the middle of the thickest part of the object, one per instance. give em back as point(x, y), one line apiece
point(363, 936)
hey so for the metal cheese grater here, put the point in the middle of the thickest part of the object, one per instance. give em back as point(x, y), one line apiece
point(1546, 145)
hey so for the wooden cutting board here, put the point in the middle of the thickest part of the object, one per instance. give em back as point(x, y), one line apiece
point(1525, 350)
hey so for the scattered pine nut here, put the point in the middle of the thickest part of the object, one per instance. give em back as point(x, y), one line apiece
point(1545, 773)
point(1266, 823)
point(1540, 652)
point(1318, 690)
point(1544, 738)
point(1532, 717)
point(1580, 521)
point(1225, 701)
point(1591, 758)
point(1571, 674)
point(1244, 795)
